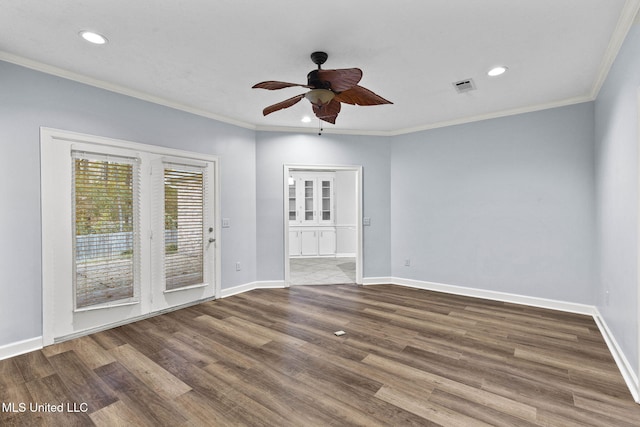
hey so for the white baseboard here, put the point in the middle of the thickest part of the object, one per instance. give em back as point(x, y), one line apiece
point(378, 281)
point(345, 255)
point(628, 374)
point(631, 379)
point(32, 344)
point(486, 294)
point(626, 370)
point(270, 284)
point(20, 347)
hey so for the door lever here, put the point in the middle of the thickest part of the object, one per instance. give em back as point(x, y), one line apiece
point(211, 240)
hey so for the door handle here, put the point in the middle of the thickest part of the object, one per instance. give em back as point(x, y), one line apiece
point(211, 240)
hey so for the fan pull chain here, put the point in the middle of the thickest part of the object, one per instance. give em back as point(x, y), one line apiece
point(320, 129)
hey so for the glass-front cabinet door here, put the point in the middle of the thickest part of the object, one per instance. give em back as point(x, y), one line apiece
point(326, 201)
point(310, 199)
point(292, 205)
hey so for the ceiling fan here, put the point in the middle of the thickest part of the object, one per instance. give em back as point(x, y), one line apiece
point(328, 89)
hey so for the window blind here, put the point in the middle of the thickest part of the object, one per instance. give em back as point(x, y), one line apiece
point(105, 221)
point(184, 196)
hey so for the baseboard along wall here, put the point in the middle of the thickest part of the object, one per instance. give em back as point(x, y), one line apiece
point(20, 347)
point(629, 375)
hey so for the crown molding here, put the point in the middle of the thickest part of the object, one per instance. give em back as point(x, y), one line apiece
point(307, 130)
point(628, 17)
point(59, 72)
point(495, 115)
point(447, 123)
point(122, 90)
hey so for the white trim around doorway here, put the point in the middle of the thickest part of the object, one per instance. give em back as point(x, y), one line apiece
point(287, 169)
point(637, 382)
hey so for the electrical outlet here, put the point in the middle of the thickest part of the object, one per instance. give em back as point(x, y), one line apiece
point(407, 262)
point(238, 267)
point(366, 221)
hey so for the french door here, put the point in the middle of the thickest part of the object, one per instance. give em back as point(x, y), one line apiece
point(128, 230)
point(182, 254)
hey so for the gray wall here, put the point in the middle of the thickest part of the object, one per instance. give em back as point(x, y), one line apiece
point(30, 99)
point(275, 149)
point(504, 205)
point(539, 204)
point(616, 134)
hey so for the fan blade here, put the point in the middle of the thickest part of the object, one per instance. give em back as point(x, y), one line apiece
point(284, 104)
point(359, 95)
point(273, 85)
point(341, 80)
point(328, 112)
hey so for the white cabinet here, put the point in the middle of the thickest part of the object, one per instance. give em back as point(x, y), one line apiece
point(294, 243)
point(312, 241)
point(311, 198)
point(311, 214)
point(308, 243)
point(327, 242)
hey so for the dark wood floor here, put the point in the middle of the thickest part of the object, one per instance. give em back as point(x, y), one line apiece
point(269, 357)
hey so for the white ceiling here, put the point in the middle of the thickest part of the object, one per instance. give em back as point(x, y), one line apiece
point(203, 56)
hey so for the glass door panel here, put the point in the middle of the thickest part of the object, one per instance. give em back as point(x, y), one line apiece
point(104, 222)
point(293, 211)
point(326, 200)
point(184, 239)
point(184, 227)
point(309, 200)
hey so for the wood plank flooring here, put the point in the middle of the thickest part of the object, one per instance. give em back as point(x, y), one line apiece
point(270, 358)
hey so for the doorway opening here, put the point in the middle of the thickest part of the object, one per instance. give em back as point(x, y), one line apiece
point(323, 224)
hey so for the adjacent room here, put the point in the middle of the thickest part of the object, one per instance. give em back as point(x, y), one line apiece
point(287, 213)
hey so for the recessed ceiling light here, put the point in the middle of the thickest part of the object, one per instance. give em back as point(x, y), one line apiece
point(496, 71)
point(92, 37)
point(306, 119)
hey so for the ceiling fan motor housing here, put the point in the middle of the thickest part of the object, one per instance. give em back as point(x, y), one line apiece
point(313, 80)
point(319, 58)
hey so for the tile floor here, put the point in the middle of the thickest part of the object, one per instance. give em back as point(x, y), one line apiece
point(322, 271)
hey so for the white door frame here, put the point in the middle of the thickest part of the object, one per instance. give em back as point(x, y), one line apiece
point(637, 396)
point(287, 169)
point(55, 149)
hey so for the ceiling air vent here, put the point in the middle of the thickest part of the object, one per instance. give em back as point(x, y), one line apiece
point(464, 85)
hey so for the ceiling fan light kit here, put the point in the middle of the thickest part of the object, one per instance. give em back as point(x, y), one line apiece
point(329, 88)
point(319, 97)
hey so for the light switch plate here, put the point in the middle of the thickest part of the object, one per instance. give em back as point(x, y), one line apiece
point(226, 223)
